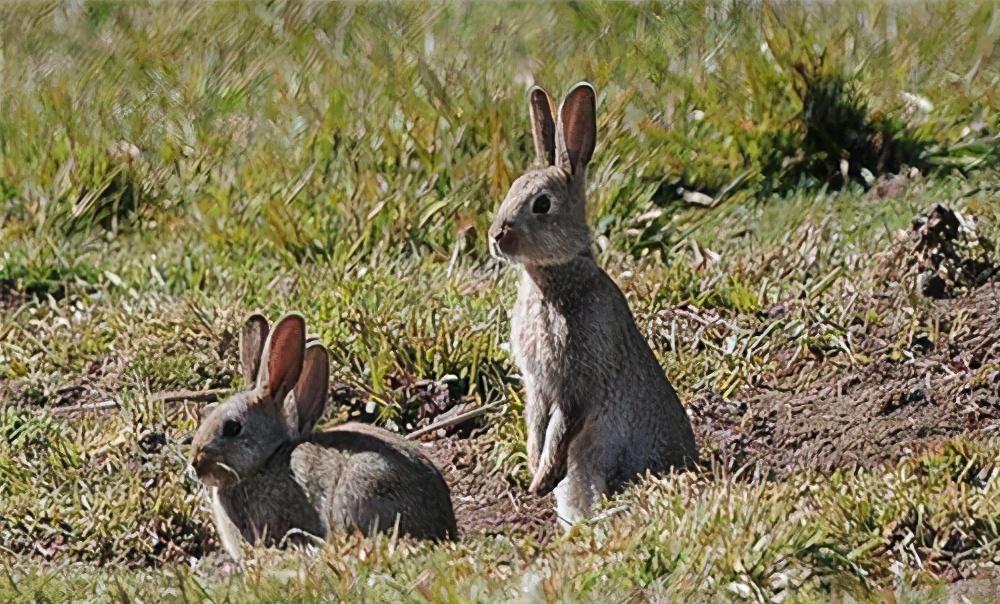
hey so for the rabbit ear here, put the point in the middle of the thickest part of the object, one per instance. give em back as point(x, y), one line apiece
point(543, 128)
point(252, 337)
point(281, 362)
point(310, 391)
point(576, 134)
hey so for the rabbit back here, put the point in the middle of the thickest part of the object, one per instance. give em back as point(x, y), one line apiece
point(365, 478)
point(351, 478)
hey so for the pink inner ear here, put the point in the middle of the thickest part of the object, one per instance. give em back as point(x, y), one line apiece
point(579, 122)
point(284, 363)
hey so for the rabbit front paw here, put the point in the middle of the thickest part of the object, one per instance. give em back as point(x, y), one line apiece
point(546, 479)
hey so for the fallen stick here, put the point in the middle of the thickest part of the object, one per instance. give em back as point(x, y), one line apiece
point(198, 396)
point(214, 394)
point(453, 421)
point(85, 407)
point(167, 396)
point(607, 514)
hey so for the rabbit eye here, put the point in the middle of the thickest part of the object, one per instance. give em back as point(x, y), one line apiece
point(541, 205)
point(231, 428)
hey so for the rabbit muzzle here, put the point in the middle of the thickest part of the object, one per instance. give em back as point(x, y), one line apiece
point(502, 238)
point(212, 472)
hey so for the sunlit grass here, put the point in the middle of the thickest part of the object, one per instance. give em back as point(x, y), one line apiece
point(715, 537)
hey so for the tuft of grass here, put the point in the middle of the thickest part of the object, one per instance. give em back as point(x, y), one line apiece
point(108, 491)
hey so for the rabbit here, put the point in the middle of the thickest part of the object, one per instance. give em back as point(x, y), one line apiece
point(599, 410)
point(272, 479)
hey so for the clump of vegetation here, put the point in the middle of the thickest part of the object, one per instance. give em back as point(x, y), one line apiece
point(837, 139)
point(40, 274)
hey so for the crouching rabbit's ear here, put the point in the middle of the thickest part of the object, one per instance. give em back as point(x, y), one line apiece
point(281, 360)
point(308, 398)
point(253, 334)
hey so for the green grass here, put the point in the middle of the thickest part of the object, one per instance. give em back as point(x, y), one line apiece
point(164, 169)
point(715, 536)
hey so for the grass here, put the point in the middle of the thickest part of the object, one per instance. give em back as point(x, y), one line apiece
point(164, 169)
point(715, 534)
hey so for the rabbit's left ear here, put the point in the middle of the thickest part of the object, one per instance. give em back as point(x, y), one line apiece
point(253, 334)
point(543, 128)
point(311, 389)
point(576, 133)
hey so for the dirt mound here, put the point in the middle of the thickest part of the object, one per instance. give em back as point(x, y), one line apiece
point(950, 252)
point(485, 502)
point(874, 413)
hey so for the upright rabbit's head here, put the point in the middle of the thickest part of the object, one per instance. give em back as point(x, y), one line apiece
point(290, 377)
point(543, 219)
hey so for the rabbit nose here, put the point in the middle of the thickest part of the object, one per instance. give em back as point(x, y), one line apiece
point(198, 462)
point(501, 233)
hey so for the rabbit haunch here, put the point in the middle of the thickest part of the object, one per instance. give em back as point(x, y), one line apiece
point(599, 410)
point(273, 480)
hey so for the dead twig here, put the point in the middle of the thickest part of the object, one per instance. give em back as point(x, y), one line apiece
point(199, 396)
point(453, 421)
point(167, 396)
point(85, 407)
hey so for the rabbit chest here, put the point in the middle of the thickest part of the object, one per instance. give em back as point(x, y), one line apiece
point(573, 337)
point(551, 335)
point(539, 340)
point(266, 508)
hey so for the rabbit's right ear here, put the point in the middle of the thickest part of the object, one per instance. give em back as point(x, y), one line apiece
point(311, 389)
point(252, 338)
point(543, 127)
point(576, 134)
point(281, 361)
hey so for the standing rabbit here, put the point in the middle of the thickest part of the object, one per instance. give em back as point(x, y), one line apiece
point(272, 479)
point(599, 410)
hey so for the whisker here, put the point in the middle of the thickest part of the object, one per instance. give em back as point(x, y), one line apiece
point(229, 469)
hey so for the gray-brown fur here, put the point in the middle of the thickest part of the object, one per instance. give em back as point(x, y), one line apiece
point(599, 409)
point(274, 481)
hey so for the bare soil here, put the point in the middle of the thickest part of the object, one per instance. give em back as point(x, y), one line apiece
point(486, 502)
point(870, 413)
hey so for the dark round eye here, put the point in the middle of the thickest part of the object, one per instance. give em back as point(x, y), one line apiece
point(541, 204)
point(231, 428)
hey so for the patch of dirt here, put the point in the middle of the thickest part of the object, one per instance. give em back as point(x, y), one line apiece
point(98, 381)
point(985, 588)
point(871, 414)
point(485, 502)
